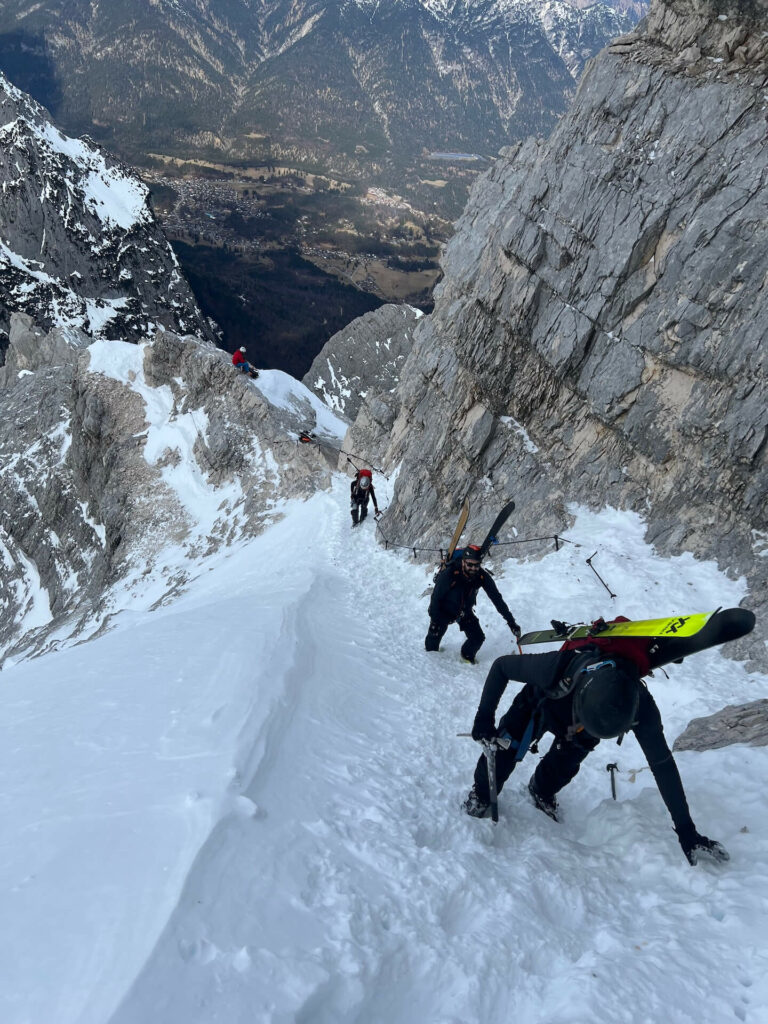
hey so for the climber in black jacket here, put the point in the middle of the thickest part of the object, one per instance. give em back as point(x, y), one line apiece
point(453, 600)
point(582, 693)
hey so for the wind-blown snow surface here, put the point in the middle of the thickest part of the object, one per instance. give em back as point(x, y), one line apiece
point(244, 808)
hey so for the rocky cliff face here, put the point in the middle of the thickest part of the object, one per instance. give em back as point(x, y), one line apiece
point(79, 247)
point(638, 7)
point(364, 360)
point(600, 333)
point(125, 466)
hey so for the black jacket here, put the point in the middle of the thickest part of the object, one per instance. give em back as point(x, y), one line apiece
point(455, 595)
point(360, 495)
point(546, 675)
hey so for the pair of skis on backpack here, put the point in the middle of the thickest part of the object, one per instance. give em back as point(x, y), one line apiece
point(670, 639)
point(490, 538)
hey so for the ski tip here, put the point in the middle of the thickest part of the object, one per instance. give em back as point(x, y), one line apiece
point(734, 623)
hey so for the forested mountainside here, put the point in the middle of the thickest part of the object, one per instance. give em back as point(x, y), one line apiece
point(340, 83)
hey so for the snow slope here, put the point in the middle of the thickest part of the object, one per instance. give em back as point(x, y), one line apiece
point(244, 807)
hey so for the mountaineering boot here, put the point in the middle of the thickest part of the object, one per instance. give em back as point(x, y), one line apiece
point(548, 806)
point(476, 807)
point(467, 653)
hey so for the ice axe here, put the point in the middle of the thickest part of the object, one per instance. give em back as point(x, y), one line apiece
point(489, 749)
point(612, 769)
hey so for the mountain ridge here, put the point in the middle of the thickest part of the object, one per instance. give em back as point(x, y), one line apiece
point(322, 77)
point(80, 247)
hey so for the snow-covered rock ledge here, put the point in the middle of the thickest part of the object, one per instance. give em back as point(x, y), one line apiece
point(133, 463)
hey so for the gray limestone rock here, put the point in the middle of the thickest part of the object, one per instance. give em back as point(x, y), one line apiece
point(742, 723)
point(605, 292)
point(363, 360)
point(88, 510)
point(79, 246)
point(32, 349)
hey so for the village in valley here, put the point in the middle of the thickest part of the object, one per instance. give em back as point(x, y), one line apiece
point(368, 235)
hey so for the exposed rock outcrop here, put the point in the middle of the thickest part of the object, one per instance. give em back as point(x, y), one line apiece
point(79, 246)
point(363, 360)
point(743, 723)
point(32, 349)
point(600, 332)
point(125, 465)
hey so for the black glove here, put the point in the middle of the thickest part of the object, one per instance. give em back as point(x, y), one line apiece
point(695, 846)
point(515, 629)
point(483, 729)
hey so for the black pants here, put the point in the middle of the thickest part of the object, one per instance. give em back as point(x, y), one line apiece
point(515, 722)
point(469, 625)
point(562, 761)
point(359, 511)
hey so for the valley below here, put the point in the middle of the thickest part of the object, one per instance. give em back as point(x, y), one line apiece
point(282, 257)
point(307, 158)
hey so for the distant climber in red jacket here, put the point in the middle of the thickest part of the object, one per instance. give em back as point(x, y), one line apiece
point(241, 363)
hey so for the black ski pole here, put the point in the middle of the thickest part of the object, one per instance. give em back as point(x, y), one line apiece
point(594, 570)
